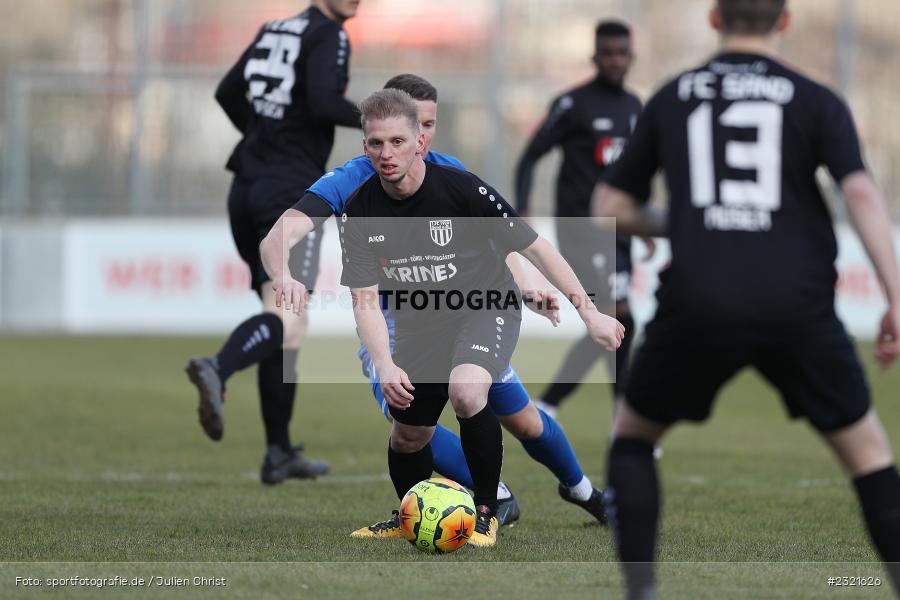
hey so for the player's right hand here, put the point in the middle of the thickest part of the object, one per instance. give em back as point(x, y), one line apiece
point(291, 293)
point(887, 348)
point(605, 330)
point(544, 303)
point(396, 386)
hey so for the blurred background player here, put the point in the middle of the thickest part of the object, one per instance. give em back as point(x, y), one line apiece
point(752, 277)
point(541, 437)
point(285, 95)
point(591, 124)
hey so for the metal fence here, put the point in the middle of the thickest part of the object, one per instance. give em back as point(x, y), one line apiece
point(107, 105)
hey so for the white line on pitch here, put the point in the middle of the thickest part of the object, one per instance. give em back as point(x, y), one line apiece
point(181, 477)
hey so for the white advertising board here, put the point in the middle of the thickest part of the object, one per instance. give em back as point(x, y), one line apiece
point(165, 276)
point(185, 277)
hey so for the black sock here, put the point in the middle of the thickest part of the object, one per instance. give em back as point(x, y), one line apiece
point(276, 380)
point(290, 379)
point(617, 361)
point(578, 361)
point(632, 500)
point(409, 469)
point(249, 343)
point(482, 443)
point(879, 496)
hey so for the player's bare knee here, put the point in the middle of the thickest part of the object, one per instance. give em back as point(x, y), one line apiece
point(863, 447)
point(468, 399)
point(295, 327)
point(409, 438)
point(406, 445)
point(525, 424)
point(629, 424)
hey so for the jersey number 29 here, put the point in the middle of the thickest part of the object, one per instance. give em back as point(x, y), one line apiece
point(284, 48)
point(762, 156)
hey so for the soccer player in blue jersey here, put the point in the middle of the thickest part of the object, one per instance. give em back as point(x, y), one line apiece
point(540, 435)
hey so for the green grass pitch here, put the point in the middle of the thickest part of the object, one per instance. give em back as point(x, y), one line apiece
point(104, 471)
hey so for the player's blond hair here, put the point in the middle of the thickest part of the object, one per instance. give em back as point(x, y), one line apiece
point(389, 103)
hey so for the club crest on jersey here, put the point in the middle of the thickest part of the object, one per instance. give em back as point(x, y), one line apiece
point(441, 231)
point(602, 124)
point(608, 150)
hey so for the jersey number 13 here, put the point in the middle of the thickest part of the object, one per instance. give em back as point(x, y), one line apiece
point(762, 156)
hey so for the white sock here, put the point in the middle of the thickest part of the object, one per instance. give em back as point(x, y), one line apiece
point(503, 492)
point(582, 490)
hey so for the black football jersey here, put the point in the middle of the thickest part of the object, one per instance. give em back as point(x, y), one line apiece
point(452, 236)
point(739, 140)
point(286, 94)
point(591, 124)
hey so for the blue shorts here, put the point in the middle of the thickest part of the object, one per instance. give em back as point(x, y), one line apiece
point(507, 395)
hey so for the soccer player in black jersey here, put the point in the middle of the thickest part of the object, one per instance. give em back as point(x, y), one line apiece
point(752, 277)
point(591, 123)
point(285, 95)
point(416, 227)
point(541, 437)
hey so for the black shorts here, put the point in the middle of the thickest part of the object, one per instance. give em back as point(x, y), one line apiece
point(486, 338)
point(254, 205)
point(819, 376)
point(601, 260)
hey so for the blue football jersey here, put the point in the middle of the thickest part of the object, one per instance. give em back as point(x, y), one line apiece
point(337, 185)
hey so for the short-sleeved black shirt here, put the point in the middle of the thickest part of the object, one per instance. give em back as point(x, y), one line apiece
point(452, 235)
point(591, 123)
point(739, 140)
point(286, 94)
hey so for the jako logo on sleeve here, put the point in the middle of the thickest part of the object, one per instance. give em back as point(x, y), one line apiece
point(376, 238)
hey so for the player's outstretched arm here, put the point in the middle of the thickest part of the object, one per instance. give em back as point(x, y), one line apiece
point(604, 329)
point(275, 250)
point(525, 175)
point(373, 333)
point(631, 218)
point(543, 302)
point(231, 93)
point(552, 131)
point(324, 86)
point(871, 221)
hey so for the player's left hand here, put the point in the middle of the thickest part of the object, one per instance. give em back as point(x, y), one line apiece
point(544, 303)
point(605, 330)
point(887, 348)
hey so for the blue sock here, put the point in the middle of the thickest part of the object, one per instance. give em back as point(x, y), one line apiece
point(449, 459)
point(553, 450)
